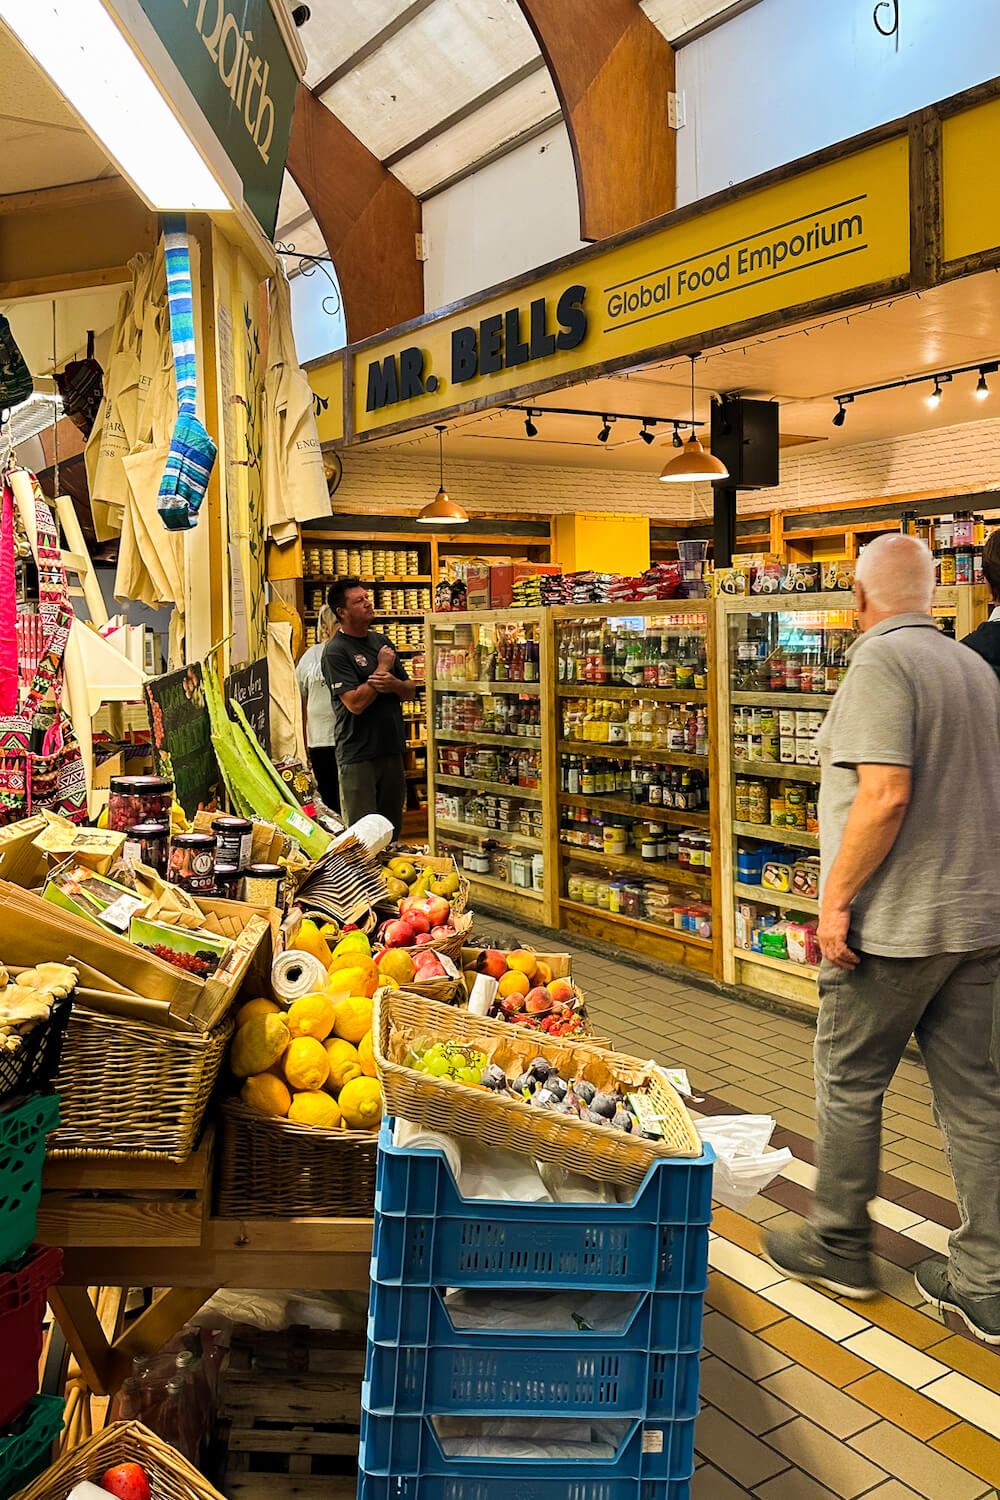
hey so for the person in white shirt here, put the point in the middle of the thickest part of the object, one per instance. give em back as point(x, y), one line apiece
point(317, 710)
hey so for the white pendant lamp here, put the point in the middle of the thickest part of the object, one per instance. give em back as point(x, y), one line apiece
point(693, 462)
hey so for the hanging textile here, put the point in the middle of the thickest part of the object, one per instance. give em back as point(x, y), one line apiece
point(192, 452)
point(295, 487)
point(81, 386)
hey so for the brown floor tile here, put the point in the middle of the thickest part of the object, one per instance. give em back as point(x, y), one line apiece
point(897, 1282)
point(761, 1210)
point(740, 1348)
point(972, 1449)
point(749, 1103)
point(793, 1485)
point(920, 1176)
point(791, 1195)
point(710, 1483)
point(931, 1475)
point(732, 1226)
point(932, 1206)
point(750, 1404)
point(833, 1410)
point(892, 1491)
point(799, 1145)
point(793, 1119)
point(970, 1357)
point(786, 1219)
point(915, 1109)
point(826, 1459)
point(921, 1092)
point(904, 1322)
point(740, 1304)
point(736, 1452)
point(891, 1161)
point(816, 1352)
point(802, 1104)
point(900, 1405)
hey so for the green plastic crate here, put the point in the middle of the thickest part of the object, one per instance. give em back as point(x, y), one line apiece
point(22, 1156)
point(25, 1452)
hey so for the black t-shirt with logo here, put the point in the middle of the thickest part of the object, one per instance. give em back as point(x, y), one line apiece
point(349, 661)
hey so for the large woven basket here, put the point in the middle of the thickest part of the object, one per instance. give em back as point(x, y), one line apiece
point(171, 1477)
point(452, 944)
point(401, 1019)
point(135, 1089)
point(274, 1169)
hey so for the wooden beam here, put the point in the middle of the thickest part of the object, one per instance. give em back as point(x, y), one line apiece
point(368, 219)
point(72, 195)
point(612, 70)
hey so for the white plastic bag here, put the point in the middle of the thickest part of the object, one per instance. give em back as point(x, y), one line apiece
point(743, 1164)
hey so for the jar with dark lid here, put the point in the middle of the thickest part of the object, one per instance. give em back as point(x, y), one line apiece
point(138, 799)
point(947, 575)
point(263, 885)
point(148, 844)
point(227, 881)
point(192, 863)
point(963, 529)
point(234, 839)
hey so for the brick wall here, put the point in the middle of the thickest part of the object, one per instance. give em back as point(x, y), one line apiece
point(949, 459)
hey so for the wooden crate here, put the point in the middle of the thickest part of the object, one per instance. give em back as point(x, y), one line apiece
point(101, 1199)
point(289, 1412)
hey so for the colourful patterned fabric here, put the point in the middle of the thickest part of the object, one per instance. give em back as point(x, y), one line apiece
point(192, 452)
point(53, 776)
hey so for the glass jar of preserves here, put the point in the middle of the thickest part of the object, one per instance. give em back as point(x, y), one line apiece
point(192, 863)
point(148, 844)
point(138, 799)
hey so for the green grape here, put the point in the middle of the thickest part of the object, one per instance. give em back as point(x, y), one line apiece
point(471, 1075)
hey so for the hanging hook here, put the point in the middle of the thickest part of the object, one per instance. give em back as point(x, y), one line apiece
point(892, 30)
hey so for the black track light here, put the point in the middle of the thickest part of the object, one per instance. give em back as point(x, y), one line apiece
point(843, 402)
point(982, 389)
point(605, 431)
point(645, 434)
point(934, 399)
point(529, 425)
point(677, 436)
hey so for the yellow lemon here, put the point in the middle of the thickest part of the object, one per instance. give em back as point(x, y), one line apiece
point(361, 1104)
point(353, 942)
point(345, 1063)
point(258, 1044)
point(353, 1018)
point(252, 1008)
point(354, 981)
point(306, 1064)
point(367, 1055)
point(311, 1016)
point(266, 1094)
point(311, 1108)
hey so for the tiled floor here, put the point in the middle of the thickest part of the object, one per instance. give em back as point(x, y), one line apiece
point(804, 1396)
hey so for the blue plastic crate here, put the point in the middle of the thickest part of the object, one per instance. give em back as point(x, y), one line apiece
point(397, 1447)
point(531, 1380)
point(547, 1251)
point(468, 1487)
point(418, 1315)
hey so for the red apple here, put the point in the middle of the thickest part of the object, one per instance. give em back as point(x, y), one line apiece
point(418, 921)
point(538, 1001)
point(493, 963)
point(435, 909)
point(432, 970)
point(398, 934)
point(127, 1481)
point(442, 931)
point(424, 937)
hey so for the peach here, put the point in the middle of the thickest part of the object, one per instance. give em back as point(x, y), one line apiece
point(523, 961)
point(513, 983)
point(538, 1002)
point(560, 989)
point(543, 973)
point(493, 963)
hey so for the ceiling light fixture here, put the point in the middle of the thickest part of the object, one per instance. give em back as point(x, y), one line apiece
point(934, 399)
point(677, 440)
point(940, 380)
point(693, 462)
point(841, 414)
point(982, 389)
point(529, 425)
point(79, 46)
point(646, 435)
point(442, 511)
point(605, 431)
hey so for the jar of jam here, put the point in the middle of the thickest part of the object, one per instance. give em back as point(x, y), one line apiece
point(263, 885)
point(192, 863)
point(148, 844)
point(227, 881)
point(138, 799)
point(234, 841)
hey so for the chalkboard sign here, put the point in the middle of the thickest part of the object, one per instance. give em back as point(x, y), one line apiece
point(182, 737)
point(249, 688)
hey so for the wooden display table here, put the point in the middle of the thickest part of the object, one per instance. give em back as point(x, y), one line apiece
point(149, 1224)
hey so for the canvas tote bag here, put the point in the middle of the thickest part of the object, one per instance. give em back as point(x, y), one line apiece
point(295, 487)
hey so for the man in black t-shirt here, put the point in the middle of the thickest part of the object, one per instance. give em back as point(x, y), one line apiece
point(367, 682)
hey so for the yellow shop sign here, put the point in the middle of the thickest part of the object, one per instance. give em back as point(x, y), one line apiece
point(824, 232)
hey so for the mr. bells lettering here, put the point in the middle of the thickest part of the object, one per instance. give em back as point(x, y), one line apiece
point(498, 342)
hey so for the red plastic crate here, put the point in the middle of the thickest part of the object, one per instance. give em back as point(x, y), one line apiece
point(22, 1310)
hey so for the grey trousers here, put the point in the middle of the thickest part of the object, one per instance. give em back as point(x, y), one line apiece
point(866, 1018)
point(374, 786)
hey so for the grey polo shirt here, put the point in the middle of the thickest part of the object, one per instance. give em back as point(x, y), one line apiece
point(913, 697)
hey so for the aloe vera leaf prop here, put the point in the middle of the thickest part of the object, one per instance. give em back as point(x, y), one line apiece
point(266, 765)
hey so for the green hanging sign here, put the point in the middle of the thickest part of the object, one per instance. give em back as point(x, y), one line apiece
point(233, 58)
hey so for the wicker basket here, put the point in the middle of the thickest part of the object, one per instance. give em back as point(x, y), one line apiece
point(135, 1089)
point(171, 1477)
point(33, 1066)
point(452, 944)
point(275, 1169)
point(560, 965)
point(500, 1120)
point(441, 864)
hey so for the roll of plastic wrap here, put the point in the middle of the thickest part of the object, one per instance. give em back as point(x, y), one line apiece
point(87, 1491)
point(415, 1137)
point(294, 974)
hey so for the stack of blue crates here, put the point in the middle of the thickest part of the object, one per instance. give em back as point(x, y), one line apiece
point(419, 1366)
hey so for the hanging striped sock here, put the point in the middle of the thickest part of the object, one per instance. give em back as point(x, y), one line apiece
point(192, 452)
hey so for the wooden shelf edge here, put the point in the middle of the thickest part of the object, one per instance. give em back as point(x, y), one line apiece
point(787, 899)
point(654, 928)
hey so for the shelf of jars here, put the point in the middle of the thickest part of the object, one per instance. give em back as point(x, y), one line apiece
point(784, 658)
point(490, 747)
point(632, 816)
point(398, 577)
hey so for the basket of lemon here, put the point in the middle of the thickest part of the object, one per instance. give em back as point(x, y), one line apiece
point(301, 1138)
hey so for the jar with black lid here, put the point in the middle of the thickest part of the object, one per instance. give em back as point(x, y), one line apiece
point(138, 799)
point(192, 863)
point(263, 885)
point(234, 840)
point(227, 881)
point(148, 844)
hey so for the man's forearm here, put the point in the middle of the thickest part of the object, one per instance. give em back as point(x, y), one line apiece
point(359, 698)
point(407, 690)
point(872, 826)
